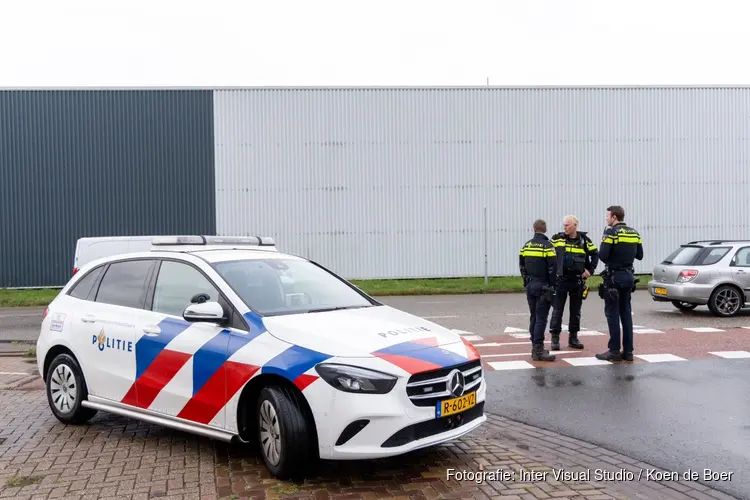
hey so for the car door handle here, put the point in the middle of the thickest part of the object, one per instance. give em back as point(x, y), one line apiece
point(151, 331)
point(89, 318)
point(740, 271)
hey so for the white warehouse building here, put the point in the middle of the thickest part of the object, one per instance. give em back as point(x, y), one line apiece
point(395, 182)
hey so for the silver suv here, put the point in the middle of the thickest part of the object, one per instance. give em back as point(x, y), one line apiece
point(715, 273)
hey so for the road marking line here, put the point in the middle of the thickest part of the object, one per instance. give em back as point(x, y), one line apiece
point(516, 314)
point(14, 373)
point(659, 358)
point(438, 317)
point(510, 329)
point(585, 361)
point(524, 354)
point(472, 338)
point(510, 365)
point(589, 333)
point(731, 354)
point(644, 331)
point(704, 329)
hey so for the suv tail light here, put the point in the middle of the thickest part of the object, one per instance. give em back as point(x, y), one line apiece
point(46, 312)
point(75, 270)
point(687, 275)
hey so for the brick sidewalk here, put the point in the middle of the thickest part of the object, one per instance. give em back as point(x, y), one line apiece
point(122, 459)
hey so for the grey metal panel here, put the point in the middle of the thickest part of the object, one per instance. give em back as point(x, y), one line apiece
point(380, 183)
point(99, 163)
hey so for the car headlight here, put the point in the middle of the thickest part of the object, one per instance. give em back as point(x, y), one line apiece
point(357, 380)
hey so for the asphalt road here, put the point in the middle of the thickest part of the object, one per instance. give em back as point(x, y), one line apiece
point(674, 416)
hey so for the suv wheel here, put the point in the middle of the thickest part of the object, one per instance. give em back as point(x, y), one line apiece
point(283, 433)
point(66, 389)
point(684, 306)
point(725, 301)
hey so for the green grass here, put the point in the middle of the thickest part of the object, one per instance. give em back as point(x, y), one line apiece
point(437, 286)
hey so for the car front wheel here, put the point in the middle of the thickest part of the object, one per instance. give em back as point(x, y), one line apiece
point(725, 301)
point(66, 389)
point(283, 432)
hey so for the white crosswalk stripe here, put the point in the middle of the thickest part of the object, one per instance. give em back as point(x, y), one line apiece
point(731, 354)
point(704, 329)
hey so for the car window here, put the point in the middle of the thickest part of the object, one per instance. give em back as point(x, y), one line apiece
point(176, 285)
point(124, 283)
point(713, 256)
point(742, 258)
point(83, 287)
point(288, 286)
point(683, 256)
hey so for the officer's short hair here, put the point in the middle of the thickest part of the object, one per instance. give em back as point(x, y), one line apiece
point(540, 226)
point(617, 211)
point(571, 218)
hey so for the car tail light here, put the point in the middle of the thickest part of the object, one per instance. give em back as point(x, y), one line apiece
point(687, 275)
point(46, 312)
point(75, 270)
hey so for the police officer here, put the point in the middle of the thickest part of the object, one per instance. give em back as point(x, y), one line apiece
point(538, 265)
point(577, 260)
point(620, 246)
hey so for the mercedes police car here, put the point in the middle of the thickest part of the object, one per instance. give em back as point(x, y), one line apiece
point(231, 339)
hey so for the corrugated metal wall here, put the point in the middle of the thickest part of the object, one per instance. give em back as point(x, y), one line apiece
point(99, 163)
point(381, 183)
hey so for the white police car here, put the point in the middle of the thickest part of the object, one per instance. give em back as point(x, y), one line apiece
point(231, 339)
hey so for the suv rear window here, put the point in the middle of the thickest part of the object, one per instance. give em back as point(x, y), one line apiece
point(683, 256)
point(696, 256)
point(712, 255)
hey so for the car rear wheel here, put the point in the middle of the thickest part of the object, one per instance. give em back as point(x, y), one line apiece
point(66, 389)
point(684, 306)
point(283, 432)
point(725, 301)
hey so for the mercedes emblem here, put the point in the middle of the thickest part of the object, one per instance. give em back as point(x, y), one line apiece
point(456, 383)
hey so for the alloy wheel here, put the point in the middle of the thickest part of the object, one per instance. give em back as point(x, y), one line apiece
point(727, 301)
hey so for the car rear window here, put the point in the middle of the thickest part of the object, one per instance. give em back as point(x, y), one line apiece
point(696, 256)
point(683, 256)
point(711, 256)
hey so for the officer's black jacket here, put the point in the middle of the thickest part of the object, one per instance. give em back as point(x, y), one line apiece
point(620, 246)
point(537, 259)
point(575, 255)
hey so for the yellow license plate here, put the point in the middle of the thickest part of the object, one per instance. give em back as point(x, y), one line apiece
point(660, 291)
point(456, 405)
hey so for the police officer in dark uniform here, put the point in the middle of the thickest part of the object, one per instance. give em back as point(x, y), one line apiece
point(538, 264)
point(577, 260)
point(620, 246)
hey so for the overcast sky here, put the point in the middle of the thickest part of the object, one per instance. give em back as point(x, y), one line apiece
point(383, 42)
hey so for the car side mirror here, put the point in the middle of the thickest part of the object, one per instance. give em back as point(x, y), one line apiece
point(205, 312)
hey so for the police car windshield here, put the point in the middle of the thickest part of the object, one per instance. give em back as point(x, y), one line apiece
point(288, 286)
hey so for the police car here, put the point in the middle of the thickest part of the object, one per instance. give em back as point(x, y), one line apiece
point(231, 339)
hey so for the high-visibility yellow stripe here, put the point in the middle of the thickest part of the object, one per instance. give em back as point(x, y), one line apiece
point(558, 243)
point(537, 252)
point(590, 246)
point(608, 239)
point(572, 249)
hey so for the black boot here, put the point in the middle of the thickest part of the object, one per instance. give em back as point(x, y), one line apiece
point(555, 342)
point(627, 356)
point(539, 353)
point(573, 341)
point(609, 356)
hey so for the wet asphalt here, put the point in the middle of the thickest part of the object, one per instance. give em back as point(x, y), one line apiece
point(672, 416)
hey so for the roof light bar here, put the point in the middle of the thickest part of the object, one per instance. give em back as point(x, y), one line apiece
point(214, 240)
